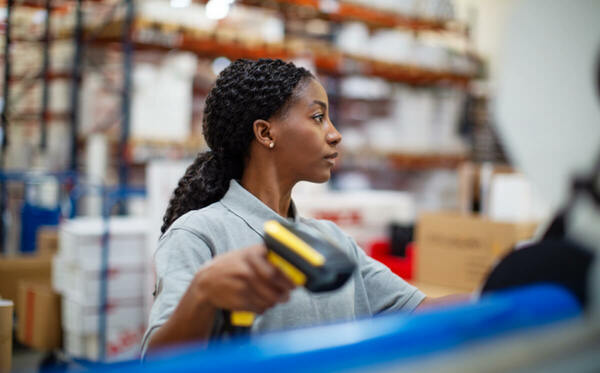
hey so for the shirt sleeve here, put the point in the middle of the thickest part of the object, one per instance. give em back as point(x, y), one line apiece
point(179, 255)
point(386, 291)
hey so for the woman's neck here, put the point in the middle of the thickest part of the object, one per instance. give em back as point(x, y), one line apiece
point(264, 183)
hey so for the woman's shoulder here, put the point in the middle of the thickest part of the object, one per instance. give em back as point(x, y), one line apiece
point(325, 227)
point(201, 221)
point(190, 240)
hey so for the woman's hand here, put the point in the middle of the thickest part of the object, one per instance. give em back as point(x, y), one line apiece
point(242, 280)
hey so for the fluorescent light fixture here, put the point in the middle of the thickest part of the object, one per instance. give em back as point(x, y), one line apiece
point(180, 3)
point(218, 9)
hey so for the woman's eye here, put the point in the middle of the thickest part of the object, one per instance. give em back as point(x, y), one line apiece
point(319, 118)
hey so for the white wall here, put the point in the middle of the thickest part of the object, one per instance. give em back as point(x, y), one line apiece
point(487, 19)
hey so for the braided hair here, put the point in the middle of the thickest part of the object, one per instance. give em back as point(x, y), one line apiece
point(244, 92)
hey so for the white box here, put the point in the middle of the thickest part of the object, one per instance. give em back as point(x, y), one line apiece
point(121, 344)
point(81, 241)
point(82, 284)
point(83, 319)
point(514, 199)
point(163, 94)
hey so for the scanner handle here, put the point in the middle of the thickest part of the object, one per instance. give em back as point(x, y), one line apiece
point(244, 319)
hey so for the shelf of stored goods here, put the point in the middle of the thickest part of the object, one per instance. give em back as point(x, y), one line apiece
point(329, 60)
point(340, 11)
point(420, 161)
point(79, 36)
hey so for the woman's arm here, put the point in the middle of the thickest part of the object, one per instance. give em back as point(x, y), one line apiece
point(191, 320)
point(239, 280)
point(447, 300)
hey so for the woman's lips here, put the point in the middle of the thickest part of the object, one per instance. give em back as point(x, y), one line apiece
point(331, 158)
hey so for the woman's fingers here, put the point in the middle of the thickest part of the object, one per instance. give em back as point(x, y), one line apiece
point(270, 272)
point(270, 285)
point(245, 280)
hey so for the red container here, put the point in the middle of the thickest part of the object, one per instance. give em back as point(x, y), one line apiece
point(402, 266)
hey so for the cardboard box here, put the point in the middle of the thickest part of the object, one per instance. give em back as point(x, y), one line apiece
point(47, 241)
point(38, 313)
point(458, 251)
point(14, 269)
point(6, 327)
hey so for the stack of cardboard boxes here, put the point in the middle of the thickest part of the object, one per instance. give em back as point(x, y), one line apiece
point(455, 252)
point(25, 283)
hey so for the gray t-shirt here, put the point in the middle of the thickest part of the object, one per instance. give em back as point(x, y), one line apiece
point(236, 222)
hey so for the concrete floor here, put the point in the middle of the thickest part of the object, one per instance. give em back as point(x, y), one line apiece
point(26, 360)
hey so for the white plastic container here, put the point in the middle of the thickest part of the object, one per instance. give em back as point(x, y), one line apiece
point(353, 38)
point(393, 46)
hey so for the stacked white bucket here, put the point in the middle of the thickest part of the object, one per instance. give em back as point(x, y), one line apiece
point(77, 276)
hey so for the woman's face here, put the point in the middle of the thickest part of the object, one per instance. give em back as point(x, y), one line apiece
point(306, 140)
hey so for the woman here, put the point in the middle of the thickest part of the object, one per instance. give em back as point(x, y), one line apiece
point(267, 124)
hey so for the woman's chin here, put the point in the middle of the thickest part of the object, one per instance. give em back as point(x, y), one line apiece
point(322, 178)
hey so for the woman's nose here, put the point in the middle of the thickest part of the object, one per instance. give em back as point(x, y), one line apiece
point(334, 137)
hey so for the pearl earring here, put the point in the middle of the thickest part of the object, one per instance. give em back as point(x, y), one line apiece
point(271, 145)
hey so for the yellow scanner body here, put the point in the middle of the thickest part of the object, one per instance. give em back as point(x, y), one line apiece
point(309, 259)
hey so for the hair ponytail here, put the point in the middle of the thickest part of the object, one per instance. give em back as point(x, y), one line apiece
point(205, 181)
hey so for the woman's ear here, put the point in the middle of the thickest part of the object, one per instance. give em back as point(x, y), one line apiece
point(262, 132)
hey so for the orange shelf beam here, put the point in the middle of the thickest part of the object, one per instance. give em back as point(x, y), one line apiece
point(330, 61)
point(327, 60)
point(371, 16)
point(414, 161)
point(52, 75)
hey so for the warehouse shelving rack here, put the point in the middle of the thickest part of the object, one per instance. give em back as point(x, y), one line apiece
point(80, 43)
point(81, 38)
point(338, 11)
point(140, 34)
point(6, 103)
point(111, 196)
point(151, 35)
